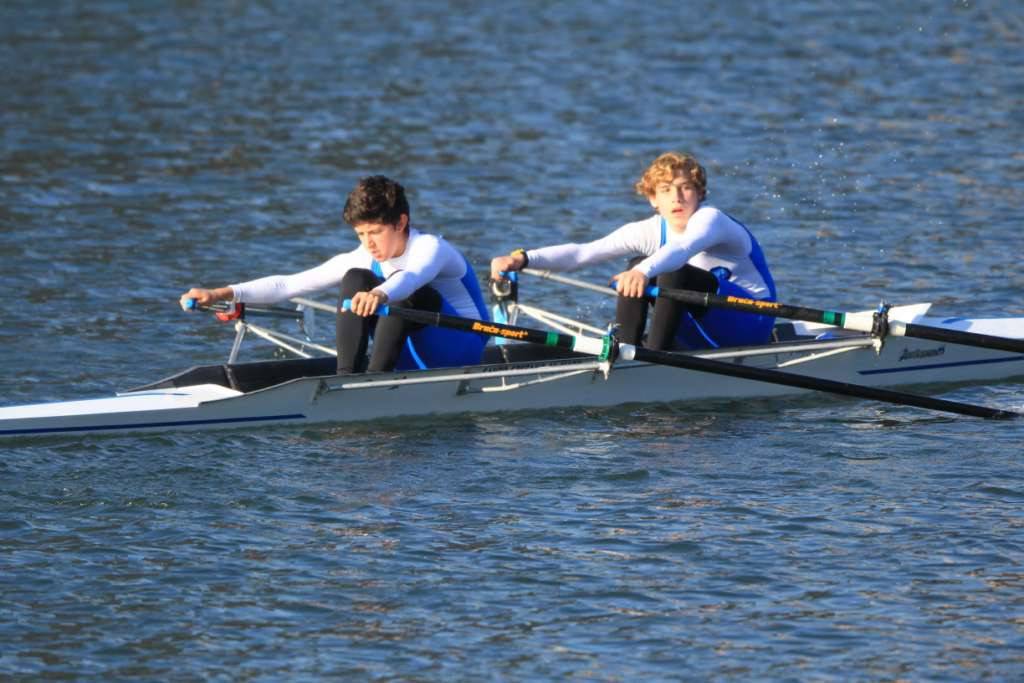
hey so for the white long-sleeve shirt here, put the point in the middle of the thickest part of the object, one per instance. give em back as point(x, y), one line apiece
point(427, 260)
point(711, 239)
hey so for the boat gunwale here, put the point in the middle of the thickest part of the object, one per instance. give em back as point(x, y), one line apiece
point(574, 361)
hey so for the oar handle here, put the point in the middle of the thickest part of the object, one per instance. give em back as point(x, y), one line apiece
point(192, 305)
point(346, 305)
point(223, 311)
point(226, 311)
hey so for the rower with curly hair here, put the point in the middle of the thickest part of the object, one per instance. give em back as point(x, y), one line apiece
point(686, 244)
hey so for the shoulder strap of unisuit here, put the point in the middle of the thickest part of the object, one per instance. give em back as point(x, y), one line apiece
point(759, 261)
point(472, 285)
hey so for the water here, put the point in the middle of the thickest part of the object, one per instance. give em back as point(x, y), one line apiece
point(148, 147)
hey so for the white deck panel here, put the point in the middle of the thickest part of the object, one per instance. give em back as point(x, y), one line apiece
point(159, 399)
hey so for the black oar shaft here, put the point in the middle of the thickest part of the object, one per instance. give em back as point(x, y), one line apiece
point(241, 310)
point(861, 323)
point(772, 308)
point(815, 383)
point(942, 334)
point(689, 362)
point(492, 329)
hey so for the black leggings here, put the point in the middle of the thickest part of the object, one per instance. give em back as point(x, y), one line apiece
point(389, 331)
point(631, 313)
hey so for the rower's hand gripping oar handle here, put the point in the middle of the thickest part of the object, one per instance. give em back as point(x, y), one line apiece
point(688, 296)
point(507, 287)
point(225, 312)
point(346, 305)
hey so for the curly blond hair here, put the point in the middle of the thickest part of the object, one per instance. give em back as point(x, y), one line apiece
point(666, 167)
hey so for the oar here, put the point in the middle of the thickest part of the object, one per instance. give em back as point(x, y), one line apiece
point(602, 347)
point(230, 311)
point(607, 348)
point(555, 277)
point(860, 322)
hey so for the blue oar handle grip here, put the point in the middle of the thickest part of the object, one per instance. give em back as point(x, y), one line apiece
point(189, 305)
point(651, 291)
point(346, 305)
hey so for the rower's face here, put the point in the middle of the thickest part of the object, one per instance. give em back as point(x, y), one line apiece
point(676, 200)
point(383, 240)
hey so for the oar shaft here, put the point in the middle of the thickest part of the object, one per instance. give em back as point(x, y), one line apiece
point(942, 334)
point(607, 348)
point(706, 300)
point(760, 307)
point(601, 347)
point(812, 383)
point(860, 322)
point(555, 277)
point(273, 312)
point(245, 310)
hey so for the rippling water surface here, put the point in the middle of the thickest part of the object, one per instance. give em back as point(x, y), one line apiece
point(146, 147)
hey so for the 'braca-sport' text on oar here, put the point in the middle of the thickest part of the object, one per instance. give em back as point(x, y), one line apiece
point(602, 347)
point(606, 348)
point(876, 323)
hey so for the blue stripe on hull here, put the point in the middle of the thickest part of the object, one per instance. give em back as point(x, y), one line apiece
point(147, 425)
point(937, 366)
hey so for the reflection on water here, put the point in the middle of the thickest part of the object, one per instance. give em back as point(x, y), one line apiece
point(147, 148)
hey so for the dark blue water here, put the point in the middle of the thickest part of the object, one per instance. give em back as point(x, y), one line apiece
point(148, 147)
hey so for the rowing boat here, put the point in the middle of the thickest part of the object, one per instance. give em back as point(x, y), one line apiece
point(515, 377)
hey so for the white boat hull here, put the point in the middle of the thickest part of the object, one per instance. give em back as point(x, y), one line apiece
point(538, 385)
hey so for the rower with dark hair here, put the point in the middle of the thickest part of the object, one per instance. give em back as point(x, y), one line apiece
point(393, 263)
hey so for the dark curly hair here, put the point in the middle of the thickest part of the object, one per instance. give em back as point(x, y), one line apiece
point(376, 199)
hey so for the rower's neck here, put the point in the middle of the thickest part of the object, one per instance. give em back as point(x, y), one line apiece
point(405, 243)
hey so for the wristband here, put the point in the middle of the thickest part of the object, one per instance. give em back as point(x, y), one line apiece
point(521, 251)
